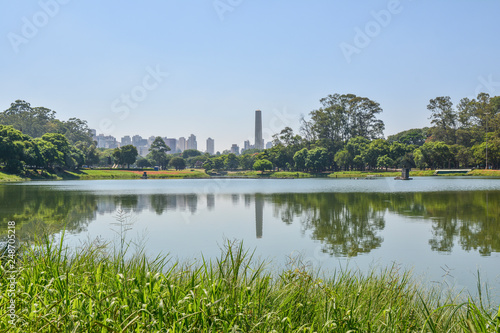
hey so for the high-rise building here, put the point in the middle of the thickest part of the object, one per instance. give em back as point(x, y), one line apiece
point(269, 145)
point(210, 146)
point(235, 149)
point(181, 144)
point(191, 142)
point(259, 142)
point(172, 144)
point(246, 145)
point(126, 140)
point(106, 141)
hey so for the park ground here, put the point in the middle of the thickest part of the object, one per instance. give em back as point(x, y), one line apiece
point(87, 174)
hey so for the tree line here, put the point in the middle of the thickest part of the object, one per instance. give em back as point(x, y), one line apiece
point(343, 134)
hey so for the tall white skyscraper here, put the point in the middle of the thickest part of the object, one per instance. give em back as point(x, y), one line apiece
point(181, 144)
point(191, 142)
point(172, 143)
point(210, 146)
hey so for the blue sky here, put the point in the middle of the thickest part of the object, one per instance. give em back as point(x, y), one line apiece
point(172, 68)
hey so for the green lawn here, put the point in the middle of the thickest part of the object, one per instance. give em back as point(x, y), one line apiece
point(6, 177)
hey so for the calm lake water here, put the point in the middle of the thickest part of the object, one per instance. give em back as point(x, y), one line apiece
point(444, 229)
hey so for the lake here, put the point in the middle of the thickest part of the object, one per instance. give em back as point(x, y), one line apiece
point(445, 229)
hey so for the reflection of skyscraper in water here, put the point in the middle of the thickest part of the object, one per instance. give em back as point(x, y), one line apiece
point(259, 212)
point(210, 201)
point(192, 202)
point(181, 202)
point(248, 200)
point(235, 198)
point(171, 202)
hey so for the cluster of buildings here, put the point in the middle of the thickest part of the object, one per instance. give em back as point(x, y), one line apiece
point(180, 144)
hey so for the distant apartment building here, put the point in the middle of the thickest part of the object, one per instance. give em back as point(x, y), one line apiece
point(138, 141)
point(269, 145)
point(235, 149)
point(106, 141)
point(181, 144)
point(143, 150)
point(172, 144)
point(126, 140)
point(210, 146)
point(191, 142)
point(151, 139)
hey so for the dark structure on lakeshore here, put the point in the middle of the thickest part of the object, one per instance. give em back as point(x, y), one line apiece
point(259, 142)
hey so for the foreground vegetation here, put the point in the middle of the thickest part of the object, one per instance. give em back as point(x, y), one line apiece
point(94, 290)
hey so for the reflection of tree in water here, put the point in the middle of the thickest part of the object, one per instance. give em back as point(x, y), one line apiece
point(40, 210)
point(346, 223)
point(473, 217)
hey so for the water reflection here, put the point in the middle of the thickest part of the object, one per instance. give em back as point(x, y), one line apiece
point(259, 215)
point(346, 224)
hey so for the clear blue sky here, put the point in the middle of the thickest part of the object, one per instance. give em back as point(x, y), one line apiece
point(227, 58)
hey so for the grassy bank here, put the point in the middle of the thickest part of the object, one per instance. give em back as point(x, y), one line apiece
point(92, 290)
point(136, 174)
point(269, 174)
point(6, 177)
point(485, 173)
point(362, 174)
point(106, 174)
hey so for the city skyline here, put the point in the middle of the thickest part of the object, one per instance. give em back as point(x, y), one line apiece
point(172, 67)
point(178, 146)
point(111, 142)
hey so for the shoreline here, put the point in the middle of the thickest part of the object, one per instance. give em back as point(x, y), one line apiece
point(101, 174)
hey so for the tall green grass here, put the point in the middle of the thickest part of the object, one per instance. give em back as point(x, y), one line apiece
point(94, 289)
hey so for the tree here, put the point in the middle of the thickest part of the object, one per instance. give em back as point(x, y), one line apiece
point(62, 145)
point(300, 158)
point(31, 121)
point(128, 155)
point(158, 152)
point(262, 165)
point(190, 153)
point(143, 163)
point(343, 117)
point(384, 162)
point(178, 163)
point(231, 162)
point(374, 150)
point(317, 159)
point(208, 165)
point(12, 143)
point(75, 130)
point(415, 136)
point(218, 163)
point(444, 119)
point(247, 161)
point(343, 159)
